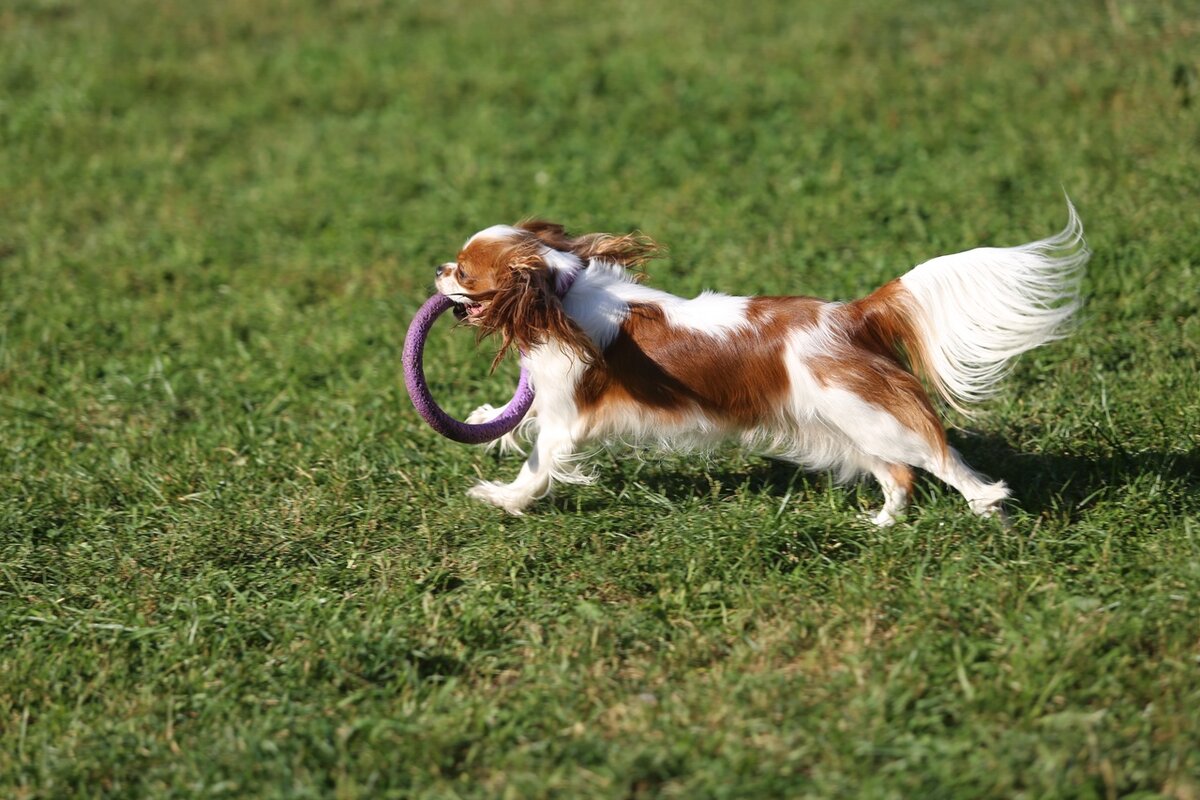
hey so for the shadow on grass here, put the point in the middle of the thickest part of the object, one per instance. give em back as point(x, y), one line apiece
point(1040, 482)
point(664, 499)
point(660, 485)
point(1043, 482)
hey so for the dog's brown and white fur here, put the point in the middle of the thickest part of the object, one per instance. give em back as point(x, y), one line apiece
point(826, 385)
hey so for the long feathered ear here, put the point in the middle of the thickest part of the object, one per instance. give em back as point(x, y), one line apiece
point(524, 311)
point(631, 250)
point(550, 234)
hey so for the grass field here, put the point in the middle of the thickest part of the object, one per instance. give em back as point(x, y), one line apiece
point(235, 563)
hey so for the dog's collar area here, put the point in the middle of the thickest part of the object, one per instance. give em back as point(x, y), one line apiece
point(566, 280)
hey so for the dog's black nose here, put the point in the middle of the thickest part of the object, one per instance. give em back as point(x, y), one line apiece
point(442, 269)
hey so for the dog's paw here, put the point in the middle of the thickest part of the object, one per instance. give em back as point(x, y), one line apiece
point(884, 519)
point(990, 503)
point(485, 413)
point(994, 511)
point(505, 444)
point(500, 495)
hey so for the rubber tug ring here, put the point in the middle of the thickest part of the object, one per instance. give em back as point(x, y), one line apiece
point(418, 390)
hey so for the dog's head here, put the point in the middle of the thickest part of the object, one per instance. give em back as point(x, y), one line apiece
point(508, 280)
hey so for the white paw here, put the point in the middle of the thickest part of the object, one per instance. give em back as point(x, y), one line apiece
point(989, 506)
point(992, 510)
point(988, 501)
point(500, 495)
point(883, 519)
point(485, 413)
point(507, 443)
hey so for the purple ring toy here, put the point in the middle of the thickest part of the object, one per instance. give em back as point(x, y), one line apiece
point(414, 378)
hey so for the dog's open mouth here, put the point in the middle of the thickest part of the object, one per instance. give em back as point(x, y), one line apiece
point(467, 310)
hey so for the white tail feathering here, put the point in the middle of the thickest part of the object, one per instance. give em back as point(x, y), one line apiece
point(978, 310)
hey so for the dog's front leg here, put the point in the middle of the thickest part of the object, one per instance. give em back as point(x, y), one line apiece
point(553, 447)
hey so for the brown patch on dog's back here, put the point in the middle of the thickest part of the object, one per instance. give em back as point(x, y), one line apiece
point(738, 377)
point(775, 315)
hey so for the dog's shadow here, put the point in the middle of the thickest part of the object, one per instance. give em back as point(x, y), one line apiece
point(1058, 483)
point(1068, 484)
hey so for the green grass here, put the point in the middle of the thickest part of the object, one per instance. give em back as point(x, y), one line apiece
point(234, 562)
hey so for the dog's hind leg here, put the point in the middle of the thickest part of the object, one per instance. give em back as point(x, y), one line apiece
point(985, 498)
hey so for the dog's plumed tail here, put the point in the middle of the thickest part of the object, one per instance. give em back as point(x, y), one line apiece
point(961, 319)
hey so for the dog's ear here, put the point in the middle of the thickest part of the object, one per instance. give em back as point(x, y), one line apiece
point(550, 234)
point(525, 311)
point(631, 250)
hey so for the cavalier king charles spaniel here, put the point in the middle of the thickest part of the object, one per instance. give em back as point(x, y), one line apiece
point(827, 385)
